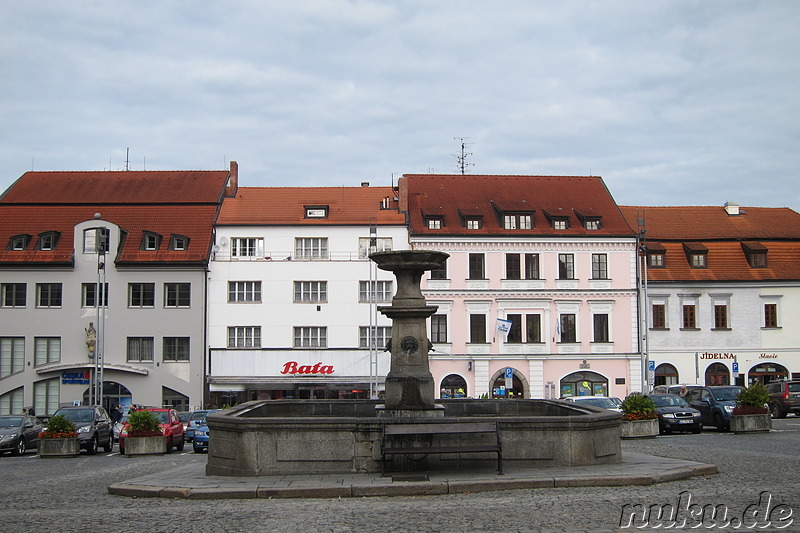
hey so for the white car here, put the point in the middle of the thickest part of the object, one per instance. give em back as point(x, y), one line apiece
point(603, 402)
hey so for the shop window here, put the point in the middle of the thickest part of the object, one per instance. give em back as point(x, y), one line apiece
point(453, 386)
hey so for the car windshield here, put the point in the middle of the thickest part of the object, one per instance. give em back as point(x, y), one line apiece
point(77, 415)
point(669, 400)
point(163, 417)
point(605, 403)
point(197, 415)
point(10, 421)
point(728, 393)
point(794, 387)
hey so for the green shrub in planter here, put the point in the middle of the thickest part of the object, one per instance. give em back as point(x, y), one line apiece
point(143, 424)
point(59, 427)
point(752, 400)
point(638, 407)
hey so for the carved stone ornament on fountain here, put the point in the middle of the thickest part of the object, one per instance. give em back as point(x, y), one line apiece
point(409, 383)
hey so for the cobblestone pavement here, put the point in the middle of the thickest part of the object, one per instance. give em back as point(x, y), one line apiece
point(71, 495)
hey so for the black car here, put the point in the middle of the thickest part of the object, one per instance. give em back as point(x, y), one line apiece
point(93, 426)
point(674, 414)
point(19, 433)
point(784, 397)
point(715, 403)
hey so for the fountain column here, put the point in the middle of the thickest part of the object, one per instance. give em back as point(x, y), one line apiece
point(409, 383)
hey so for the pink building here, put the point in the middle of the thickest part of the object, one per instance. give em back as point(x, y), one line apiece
point(539, 296)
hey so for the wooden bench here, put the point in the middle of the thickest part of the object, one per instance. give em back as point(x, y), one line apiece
point(440, 428)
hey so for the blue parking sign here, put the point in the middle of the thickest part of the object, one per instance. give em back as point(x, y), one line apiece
point(736, 367)
point(509, 372)
point(651, 366)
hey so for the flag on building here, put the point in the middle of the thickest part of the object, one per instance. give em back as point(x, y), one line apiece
point(503, 326)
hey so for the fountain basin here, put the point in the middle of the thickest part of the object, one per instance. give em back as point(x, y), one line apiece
point(290, 437)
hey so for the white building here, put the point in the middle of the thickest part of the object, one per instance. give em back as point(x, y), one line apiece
point(289, 302)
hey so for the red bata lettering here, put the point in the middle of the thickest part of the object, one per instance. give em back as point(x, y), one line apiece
point(293, 368)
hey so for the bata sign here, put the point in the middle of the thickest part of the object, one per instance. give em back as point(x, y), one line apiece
point(293, 368)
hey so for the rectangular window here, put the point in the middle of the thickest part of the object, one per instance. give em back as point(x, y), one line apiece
point(473, 223)
point(247, 247)
point(568, 330)
point(178, 242)
point(525, 222)
point(46, 396)
point(509, 222)
point(141, 294)
point(150, 241)
point(599, 266)
point(95, 240)
point(476, 266)
point(46, 350)
point(12, 355)
point(531, 266)
point(440, 273)
point(655, 260)
point(12, 401)
point(689, 316)
point(140, 349)
point(48, 295)
point(244, 291)
point(659, 316)
point(310, 291)
point(477, 328)
point(439, 329)
point(434, 223)
point(600, 327)
point(89, 295)
point(559, 224)
point(46, 241)
point(176, 349)
point(566, 266)
point(698, 260)
point(513, 270)
point(311, 248)
point(533, 328)
point(770, 315)
point(382, 336)
point(592, 225)
point(177, 294)
point(515, 331)
point(382, 244)
point(311, 337)
point(14, 294)
point(720, 317)
point(758, 260)
point(381, 290)
point(244, 337)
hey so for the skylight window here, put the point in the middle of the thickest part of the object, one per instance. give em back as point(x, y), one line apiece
point(316, 211)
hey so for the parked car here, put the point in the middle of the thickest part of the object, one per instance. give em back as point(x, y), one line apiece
point(93, 426)
point(171, 428)
point(119, 425)
point(715, 403)
point(784, 397)
point(200, 441)
point(603, 402)
point(675, 414)
point(19, 433)
point(185, 418)
point(195, 418)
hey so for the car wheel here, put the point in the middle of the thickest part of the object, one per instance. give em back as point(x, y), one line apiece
point(718, 423)
point(197, 449)
point(93, 445)
point(180, 445)
point(109, 445)
point(775, 411)
point(20, 449)
point(697, 430)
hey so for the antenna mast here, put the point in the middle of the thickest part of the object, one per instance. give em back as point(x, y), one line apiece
point(127, 158)
point(461, 158)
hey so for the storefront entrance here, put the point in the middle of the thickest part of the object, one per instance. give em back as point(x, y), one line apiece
point(767, 372)
point(584, 384)
point(666, 374)
point(717, 374)
point(500, 386)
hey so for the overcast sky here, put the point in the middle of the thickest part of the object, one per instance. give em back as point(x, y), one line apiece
point(672, 102)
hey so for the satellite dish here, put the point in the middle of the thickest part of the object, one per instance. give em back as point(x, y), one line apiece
point(223, 241)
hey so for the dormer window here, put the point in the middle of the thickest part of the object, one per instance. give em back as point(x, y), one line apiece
point(95, 240)
point(19, 242)
point(434, 222)
point(756, 254)
point(178, 242)
point(590, 222)
point(696, 254)
point(656, 255)
point(560, 223)
point(474, 223)
point(518, 221)
point(316, 211)
point(47, 240)
point(592, 225)
point(150, 241)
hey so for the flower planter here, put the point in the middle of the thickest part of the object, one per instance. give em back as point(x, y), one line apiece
point(68, 447)
point(145, 445)
point(639, 429)
point(751, 423)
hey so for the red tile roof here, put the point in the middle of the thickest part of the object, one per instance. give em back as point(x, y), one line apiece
point(123, 187)
point(681, 228)
point(455, 195)
point(280, 206)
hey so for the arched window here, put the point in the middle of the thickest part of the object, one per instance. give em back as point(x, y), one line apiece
point(767, 372)
point(453, 386)
point(717, 374)
point(666, 374)
point(584, 384)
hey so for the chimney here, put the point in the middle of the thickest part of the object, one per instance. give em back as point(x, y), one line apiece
point(365, 184)
point(732, 208)
point(233, 180)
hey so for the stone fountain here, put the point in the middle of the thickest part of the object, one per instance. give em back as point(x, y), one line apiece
point(282, 437)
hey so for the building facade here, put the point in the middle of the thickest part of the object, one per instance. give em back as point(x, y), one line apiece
point(103, 287)
point(293, 296)
point(723, 291)
point(538, 298)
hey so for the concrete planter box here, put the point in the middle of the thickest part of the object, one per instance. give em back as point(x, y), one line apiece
point(145, 445)
point(68, 447)
point(751, 423)
point(639, 429)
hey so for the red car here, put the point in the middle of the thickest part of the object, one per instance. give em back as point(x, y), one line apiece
point(171, 427)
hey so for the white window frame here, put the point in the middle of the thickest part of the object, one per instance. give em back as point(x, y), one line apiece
point(140, 349)
point(382, 335)
point(383, 291)
point(46, 350)
point(180, 349)
point(50, 294)
point(310, 292)
point(244, 292)
point(310, 337)
point(382, 244)
point(247, 247)
point(244, 337)
point(311, 248)
point(12, 356)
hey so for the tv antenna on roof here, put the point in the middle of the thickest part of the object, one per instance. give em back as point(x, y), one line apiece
point(461, 158)
point(127, 158)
